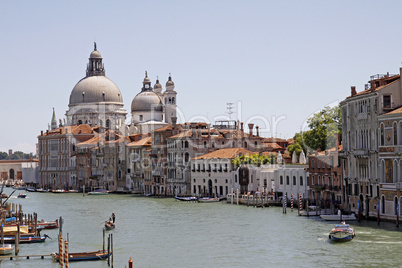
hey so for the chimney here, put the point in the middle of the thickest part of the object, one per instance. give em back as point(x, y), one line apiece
point(174, 120)
point(336, 141)
point(47, 132)
point(235, 125)
point(250, 128)
point(41, 132)
point(258, 133)
point(353, 89)
point(241, 126)
point(209, 130)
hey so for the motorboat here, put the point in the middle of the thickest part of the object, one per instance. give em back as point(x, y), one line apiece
point(99, 192)
point(342, 232)
point(339, 217)
point(6, 249)
point(208, 199)
point(186, 198)
point(22, 195)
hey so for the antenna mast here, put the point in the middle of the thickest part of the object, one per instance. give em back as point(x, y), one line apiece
point(229, 109)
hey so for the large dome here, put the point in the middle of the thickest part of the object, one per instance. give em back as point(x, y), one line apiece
point(95, 89)
point(146, 101)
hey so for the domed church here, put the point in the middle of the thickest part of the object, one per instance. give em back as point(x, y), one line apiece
point(95, 100)
point(152, 108)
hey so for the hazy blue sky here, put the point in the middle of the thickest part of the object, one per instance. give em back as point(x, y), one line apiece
point(281, 61)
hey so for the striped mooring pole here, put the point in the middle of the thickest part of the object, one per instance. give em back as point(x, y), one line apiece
point(291, 202)
point(66, 260)
point(61, 254)
point(300, 202)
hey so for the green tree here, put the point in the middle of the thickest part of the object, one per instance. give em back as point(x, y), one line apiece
point(254, 159)
point(323, 125)
point(3, 155)
point(298, 145)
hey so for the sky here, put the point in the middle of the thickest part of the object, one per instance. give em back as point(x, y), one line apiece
point(278, 62)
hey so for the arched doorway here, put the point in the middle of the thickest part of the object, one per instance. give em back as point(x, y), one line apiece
point(382, 205)
point(395, 205)
point(12, 174)
point(210, 188)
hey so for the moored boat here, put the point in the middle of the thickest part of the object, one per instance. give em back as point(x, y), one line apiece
point(208, 199)
point(339, 217)
point(26, 239)
point(186, 198)
point(48, 224)
point(84, 256)
point(99, 192)
point(342, 232)
point(6, 249)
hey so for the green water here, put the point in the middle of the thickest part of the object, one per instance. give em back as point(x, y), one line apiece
point(167, 233)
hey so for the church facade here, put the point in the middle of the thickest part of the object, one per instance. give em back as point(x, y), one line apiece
point(96, 109)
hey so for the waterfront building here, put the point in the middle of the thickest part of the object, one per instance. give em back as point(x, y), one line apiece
point(326, 171)
point(17, 170)
point(361, 139)
point(137, 162)
point(390, 161)
point(57, 156)
point(214, 174)
point(291, 179)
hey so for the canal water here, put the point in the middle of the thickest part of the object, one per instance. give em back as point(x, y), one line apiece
point(163, 232)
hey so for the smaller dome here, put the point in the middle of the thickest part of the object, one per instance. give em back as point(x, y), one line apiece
point(95, 55)
point(169, 83)
point(146, 101)
point(157, 87)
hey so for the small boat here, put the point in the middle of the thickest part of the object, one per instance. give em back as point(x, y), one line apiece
point(339, 217)
point(26, 239)
point(342, 232)
point(59, 191)
point(6, 249)
point(208, 199)
point(48, 224)
point(98, 192)
point(84, 256)
point(22, 195)
point(187, 198)
point(31, 190)
point(41, 190)
point(73, 191)
point(109, 225)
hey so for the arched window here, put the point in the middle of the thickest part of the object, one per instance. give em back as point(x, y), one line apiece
point(301, 181)
point(294, 180)
point(255, 144)
point(205, 144)
point(213, 144)
point(382, 135)
point(79, 122)
point(287, 180)
point(108, 123)
point(173, 100)
point(186, 144)
point(245, 144)
point(186, 157)
point(233, 144)
point(281, 180)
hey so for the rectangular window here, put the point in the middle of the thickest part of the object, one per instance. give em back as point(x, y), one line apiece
point(387, 101)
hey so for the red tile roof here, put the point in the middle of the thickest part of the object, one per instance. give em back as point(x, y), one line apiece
point(229, 153)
